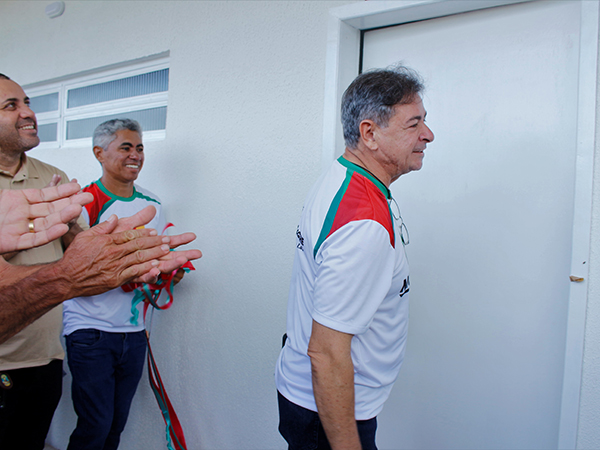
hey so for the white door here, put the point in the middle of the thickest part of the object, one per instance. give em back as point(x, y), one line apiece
point(490, 218)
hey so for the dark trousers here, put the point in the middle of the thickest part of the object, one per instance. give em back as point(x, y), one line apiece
point(106, 369)
point(28, 398)
point(302, 428)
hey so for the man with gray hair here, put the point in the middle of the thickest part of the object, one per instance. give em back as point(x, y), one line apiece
point(37, 280)
point(105, 334)
point(348, 302)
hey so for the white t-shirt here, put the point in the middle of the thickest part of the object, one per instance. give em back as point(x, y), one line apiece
point(350, 274)
point(114, 310)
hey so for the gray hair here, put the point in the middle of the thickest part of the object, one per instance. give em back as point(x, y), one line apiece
point(106, 132)
point(3, 77)
point(373, 95)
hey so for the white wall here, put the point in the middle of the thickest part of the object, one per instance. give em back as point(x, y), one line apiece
point(244, 138)
point(244, 133)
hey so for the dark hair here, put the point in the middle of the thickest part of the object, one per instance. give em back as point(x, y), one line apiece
point(373, 95)
point(3, 77)
point(106, 132)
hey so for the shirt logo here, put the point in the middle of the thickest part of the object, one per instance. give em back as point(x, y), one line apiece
point(300, 239)
point(405, 287)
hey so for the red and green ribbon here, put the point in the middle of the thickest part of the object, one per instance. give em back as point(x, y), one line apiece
point(149, 293)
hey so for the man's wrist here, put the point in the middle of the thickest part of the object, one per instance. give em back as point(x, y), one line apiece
point(57, 277)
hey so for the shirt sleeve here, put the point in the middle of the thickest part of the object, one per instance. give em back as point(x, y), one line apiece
point(356, 265)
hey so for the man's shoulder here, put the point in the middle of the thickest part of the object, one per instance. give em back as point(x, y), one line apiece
point(145, 194)
point(149, 198)
point(354, 199)
point(358, 198)
point(44, 169)
point(100, 196)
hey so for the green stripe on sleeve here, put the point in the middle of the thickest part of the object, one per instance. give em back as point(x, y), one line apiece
point(331, 213)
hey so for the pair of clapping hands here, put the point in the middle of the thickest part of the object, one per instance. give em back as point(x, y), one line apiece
point(111, 253)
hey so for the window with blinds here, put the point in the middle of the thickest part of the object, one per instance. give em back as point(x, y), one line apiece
point(68, 111)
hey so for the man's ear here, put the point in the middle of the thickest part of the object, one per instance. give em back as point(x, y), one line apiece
point(367, 135)
point(99, 153)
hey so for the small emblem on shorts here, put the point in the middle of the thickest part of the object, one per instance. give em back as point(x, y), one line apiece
point(6, 381)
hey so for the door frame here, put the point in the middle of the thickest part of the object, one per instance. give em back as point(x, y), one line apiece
point(345, 27)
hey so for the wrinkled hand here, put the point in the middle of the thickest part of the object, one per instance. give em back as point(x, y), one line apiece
point(172, 260)
point(51, 209)
point(100, 258)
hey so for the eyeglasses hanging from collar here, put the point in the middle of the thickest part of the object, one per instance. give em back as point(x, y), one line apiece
point(396, 213)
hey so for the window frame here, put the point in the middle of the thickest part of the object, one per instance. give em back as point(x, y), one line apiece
point(124, 105)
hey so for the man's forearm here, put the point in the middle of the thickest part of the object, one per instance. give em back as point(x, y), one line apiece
point(333, 386)
point(102, 258)
point(23, 302)
point(10, 274)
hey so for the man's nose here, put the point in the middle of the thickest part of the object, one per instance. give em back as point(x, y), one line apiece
point(25, 112)
point(428, 134)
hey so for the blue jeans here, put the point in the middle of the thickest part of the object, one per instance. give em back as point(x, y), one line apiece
point(106, 369)
point(302, 428)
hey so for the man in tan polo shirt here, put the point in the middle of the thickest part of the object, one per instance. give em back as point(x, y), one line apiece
point(31, 361)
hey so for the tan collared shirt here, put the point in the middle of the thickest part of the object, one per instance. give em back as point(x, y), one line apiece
point(39, 343)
